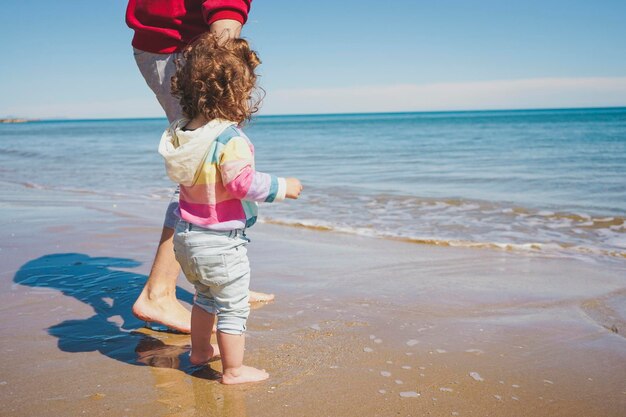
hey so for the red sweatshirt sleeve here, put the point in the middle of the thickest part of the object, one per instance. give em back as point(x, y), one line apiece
point(214, 10)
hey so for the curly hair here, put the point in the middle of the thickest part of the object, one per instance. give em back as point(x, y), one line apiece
point(215, 79)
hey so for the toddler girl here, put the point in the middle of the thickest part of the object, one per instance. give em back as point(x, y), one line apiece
point(212, 160)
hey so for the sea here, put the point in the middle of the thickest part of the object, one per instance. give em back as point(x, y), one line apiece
point(551, 182)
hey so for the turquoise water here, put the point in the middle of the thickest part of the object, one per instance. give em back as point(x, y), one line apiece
point(541, 180)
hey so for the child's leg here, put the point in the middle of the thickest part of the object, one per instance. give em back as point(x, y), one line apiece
point(201, 327)
point(231, 300)
point(234, 371)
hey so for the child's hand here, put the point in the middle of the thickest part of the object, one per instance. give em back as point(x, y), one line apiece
point(294, 188)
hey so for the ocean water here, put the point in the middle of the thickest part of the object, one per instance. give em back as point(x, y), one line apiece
point(549, 181)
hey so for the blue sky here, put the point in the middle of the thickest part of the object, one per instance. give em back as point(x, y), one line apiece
point(73, 58)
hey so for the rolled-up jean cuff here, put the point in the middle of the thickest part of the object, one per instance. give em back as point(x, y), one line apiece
point(171, 214)
point(232, 324)
point(226, 323)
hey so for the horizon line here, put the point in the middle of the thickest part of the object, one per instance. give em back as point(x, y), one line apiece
point(498, 110)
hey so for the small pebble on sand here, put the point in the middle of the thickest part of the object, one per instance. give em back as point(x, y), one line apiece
point(476, 376)
point(385, 373)
point(368, 349)
point(409, 394)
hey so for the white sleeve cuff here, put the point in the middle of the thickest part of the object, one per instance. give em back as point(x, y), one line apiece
point(282, 189)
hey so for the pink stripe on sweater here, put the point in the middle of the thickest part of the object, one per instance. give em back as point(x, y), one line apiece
point(207, 214)
point(241, 184)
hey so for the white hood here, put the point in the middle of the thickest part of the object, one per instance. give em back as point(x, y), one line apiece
point(185, 150)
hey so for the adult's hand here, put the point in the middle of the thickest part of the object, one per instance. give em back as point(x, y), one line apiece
point(226, 29)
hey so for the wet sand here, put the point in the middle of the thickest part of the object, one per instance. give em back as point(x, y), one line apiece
point(360, 327)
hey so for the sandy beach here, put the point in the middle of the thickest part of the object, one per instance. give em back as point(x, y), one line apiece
point(360, 326)
point(441, 194)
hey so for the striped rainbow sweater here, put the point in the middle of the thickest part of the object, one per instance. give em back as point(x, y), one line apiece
point(214, 165)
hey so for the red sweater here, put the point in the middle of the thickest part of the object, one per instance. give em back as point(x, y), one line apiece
point(166, 26)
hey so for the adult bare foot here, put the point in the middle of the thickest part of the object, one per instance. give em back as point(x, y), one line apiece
point(200, 358)
point(169, 312)
point(260, 297)
point(243, 374)
point(165, 310)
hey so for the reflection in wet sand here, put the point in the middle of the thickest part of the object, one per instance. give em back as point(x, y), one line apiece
point(193, 392)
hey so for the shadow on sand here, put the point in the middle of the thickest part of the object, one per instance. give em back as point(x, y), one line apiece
point(111, 291)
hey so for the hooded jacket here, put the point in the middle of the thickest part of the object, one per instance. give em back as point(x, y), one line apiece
point(214, 165)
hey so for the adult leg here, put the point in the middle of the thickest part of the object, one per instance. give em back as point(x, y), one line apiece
point(157, 301)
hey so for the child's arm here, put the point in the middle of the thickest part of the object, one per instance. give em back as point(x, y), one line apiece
point(243, 182)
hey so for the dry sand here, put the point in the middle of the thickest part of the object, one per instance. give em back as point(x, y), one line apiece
point(360, 327)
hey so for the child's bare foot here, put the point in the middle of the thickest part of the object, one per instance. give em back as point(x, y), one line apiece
point(257, 297)
point(165, 310)
point(243, 374)
point(200, 358)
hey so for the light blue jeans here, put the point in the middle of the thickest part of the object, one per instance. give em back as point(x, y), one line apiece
point(157, 70)
point(216, 263)
point(171, 214)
